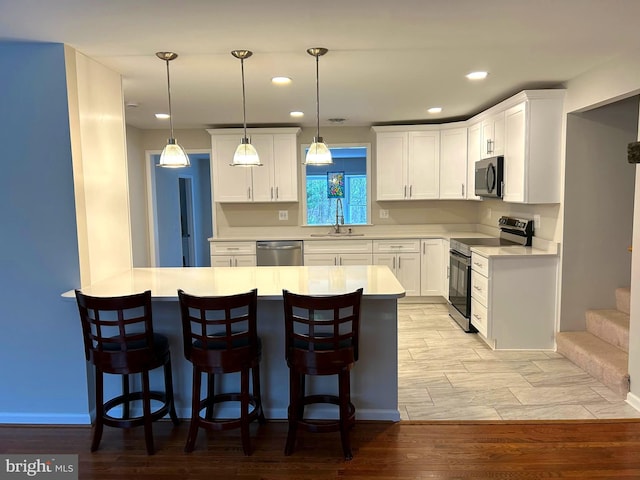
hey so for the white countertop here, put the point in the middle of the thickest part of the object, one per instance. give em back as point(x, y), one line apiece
point(357, 236)
point(514, 251)
point(377, 281)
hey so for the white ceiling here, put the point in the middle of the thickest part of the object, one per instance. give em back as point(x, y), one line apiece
point(388, 60)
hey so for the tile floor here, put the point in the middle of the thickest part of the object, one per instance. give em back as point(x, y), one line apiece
point(447, 374)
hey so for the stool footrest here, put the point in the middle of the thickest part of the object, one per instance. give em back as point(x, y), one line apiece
point(325, 425)
point(134, 421)
point(226, 423)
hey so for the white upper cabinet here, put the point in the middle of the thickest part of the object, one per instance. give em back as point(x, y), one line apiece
point(532, 148)
point(474, 147)
point(275, 181)
point(407, 164)
point(492, 135)
point(453, 163)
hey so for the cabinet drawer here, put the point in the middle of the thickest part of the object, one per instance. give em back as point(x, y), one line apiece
point(233, 248)
point(480, 264)
point(479, 317)
point(337, 246)
point(396, 246)
point(479, 287)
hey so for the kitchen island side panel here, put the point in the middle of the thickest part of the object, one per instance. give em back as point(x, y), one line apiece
point(374, 378)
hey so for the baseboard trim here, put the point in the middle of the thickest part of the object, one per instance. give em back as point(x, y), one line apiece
point(633, 400)
point(45, 418)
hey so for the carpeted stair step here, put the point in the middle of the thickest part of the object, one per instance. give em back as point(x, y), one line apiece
point(600, 359)
point(623, 300)
point(612, 326)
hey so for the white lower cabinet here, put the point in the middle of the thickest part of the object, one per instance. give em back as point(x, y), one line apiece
point(337, 252)
point(403, 258)
point(513, 300)
point(433, 277)
point(233, 254)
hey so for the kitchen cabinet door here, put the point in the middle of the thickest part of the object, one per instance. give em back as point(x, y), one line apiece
point(320, 259)
point(453, 163)
point(423, 165)
point(277, 179)
point(408, 165)
point(532, 149)
point(474, 148)
point(355, 259)
point(432, 271)
point(391, 165)
point(406, 268)
point(230, 184)
point(493, 130)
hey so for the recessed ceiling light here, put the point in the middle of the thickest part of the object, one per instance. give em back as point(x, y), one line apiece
point(281, 80)
point(162, 116)
point(296, 114)
point(477, 75)
point(435, 110)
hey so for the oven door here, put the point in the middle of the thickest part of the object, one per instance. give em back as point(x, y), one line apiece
point(460, 288)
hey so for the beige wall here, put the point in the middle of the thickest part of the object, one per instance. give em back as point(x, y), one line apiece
point(99, 166)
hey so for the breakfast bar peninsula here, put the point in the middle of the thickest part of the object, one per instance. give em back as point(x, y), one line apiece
point(374, 379)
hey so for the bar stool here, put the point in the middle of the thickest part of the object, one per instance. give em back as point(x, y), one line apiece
point(321, 338)
point(220, 336)
point(119, 339)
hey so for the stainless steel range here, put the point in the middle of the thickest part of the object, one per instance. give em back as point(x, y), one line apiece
point(513, 231)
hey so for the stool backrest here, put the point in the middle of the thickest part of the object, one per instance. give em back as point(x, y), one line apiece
point(117, 330)
point(220, 332)
point(319, 327)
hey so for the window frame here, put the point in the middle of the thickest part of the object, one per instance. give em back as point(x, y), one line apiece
point(303, 181)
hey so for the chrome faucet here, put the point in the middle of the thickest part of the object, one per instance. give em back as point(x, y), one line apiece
point(339, 216)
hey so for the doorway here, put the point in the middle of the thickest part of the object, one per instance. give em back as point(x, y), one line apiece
point(180, 212)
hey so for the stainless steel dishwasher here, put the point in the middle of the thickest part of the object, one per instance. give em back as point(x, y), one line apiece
point(278, 253)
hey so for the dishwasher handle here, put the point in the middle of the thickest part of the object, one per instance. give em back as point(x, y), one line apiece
point(267, 246)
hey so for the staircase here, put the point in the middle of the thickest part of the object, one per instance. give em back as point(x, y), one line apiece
point(603, 349)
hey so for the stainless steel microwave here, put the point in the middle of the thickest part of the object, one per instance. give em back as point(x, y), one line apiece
point(490, 177)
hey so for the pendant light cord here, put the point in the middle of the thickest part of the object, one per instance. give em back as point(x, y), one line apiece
point(318, 96)
point(169, 92)
point(244, 108)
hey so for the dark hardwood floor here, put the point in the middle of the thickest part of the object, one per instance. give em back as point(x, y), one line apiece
point(599, 449)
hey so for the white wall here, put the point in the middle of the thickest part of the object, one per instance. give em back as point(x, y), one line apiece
point(613, 81)
point(137, 198)
point(100, 167)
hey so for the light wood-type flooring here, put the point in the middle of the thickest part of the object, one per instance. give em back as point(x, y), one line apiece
point(447, 374)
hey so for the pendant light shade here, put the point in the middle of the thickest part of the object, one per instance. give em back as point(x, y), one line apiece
point(173, 155)
point(246, 154)
point(318, 153)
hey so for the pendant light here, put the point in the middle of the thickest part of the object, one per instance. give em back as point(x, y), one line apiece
point(318, 153)
point(246, 154)
point(173, 155)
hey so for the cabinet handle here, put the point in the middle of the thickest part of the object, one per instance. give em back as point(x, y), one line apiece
point(230, 262)
point(477, 264)
point(277, 195)
point(410, 191)
point(475, 287)
point(341, 261)
point(478, 317)
point(448, 271)
point(462, 185)
point(271, 193)
point(394, 263)
point(233, 248)
point(335, 260)
point(404, 195)
point(236, 262)
point(249, 193)
point(424, 246)
point(489, 146)
point(399, 260)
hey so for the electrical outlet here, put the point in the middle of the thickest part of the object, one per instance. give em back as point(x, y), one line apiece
point(536, 221)
point(384, 213)
point(283, 214)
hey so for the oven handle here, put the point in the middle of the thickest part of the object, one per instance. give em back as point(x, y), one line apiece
point(461, 258)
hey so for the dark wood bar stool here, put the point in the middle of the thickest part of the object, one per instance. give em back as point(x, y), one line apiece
point(321, 338)
point(119, 339)
point(220, 336)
